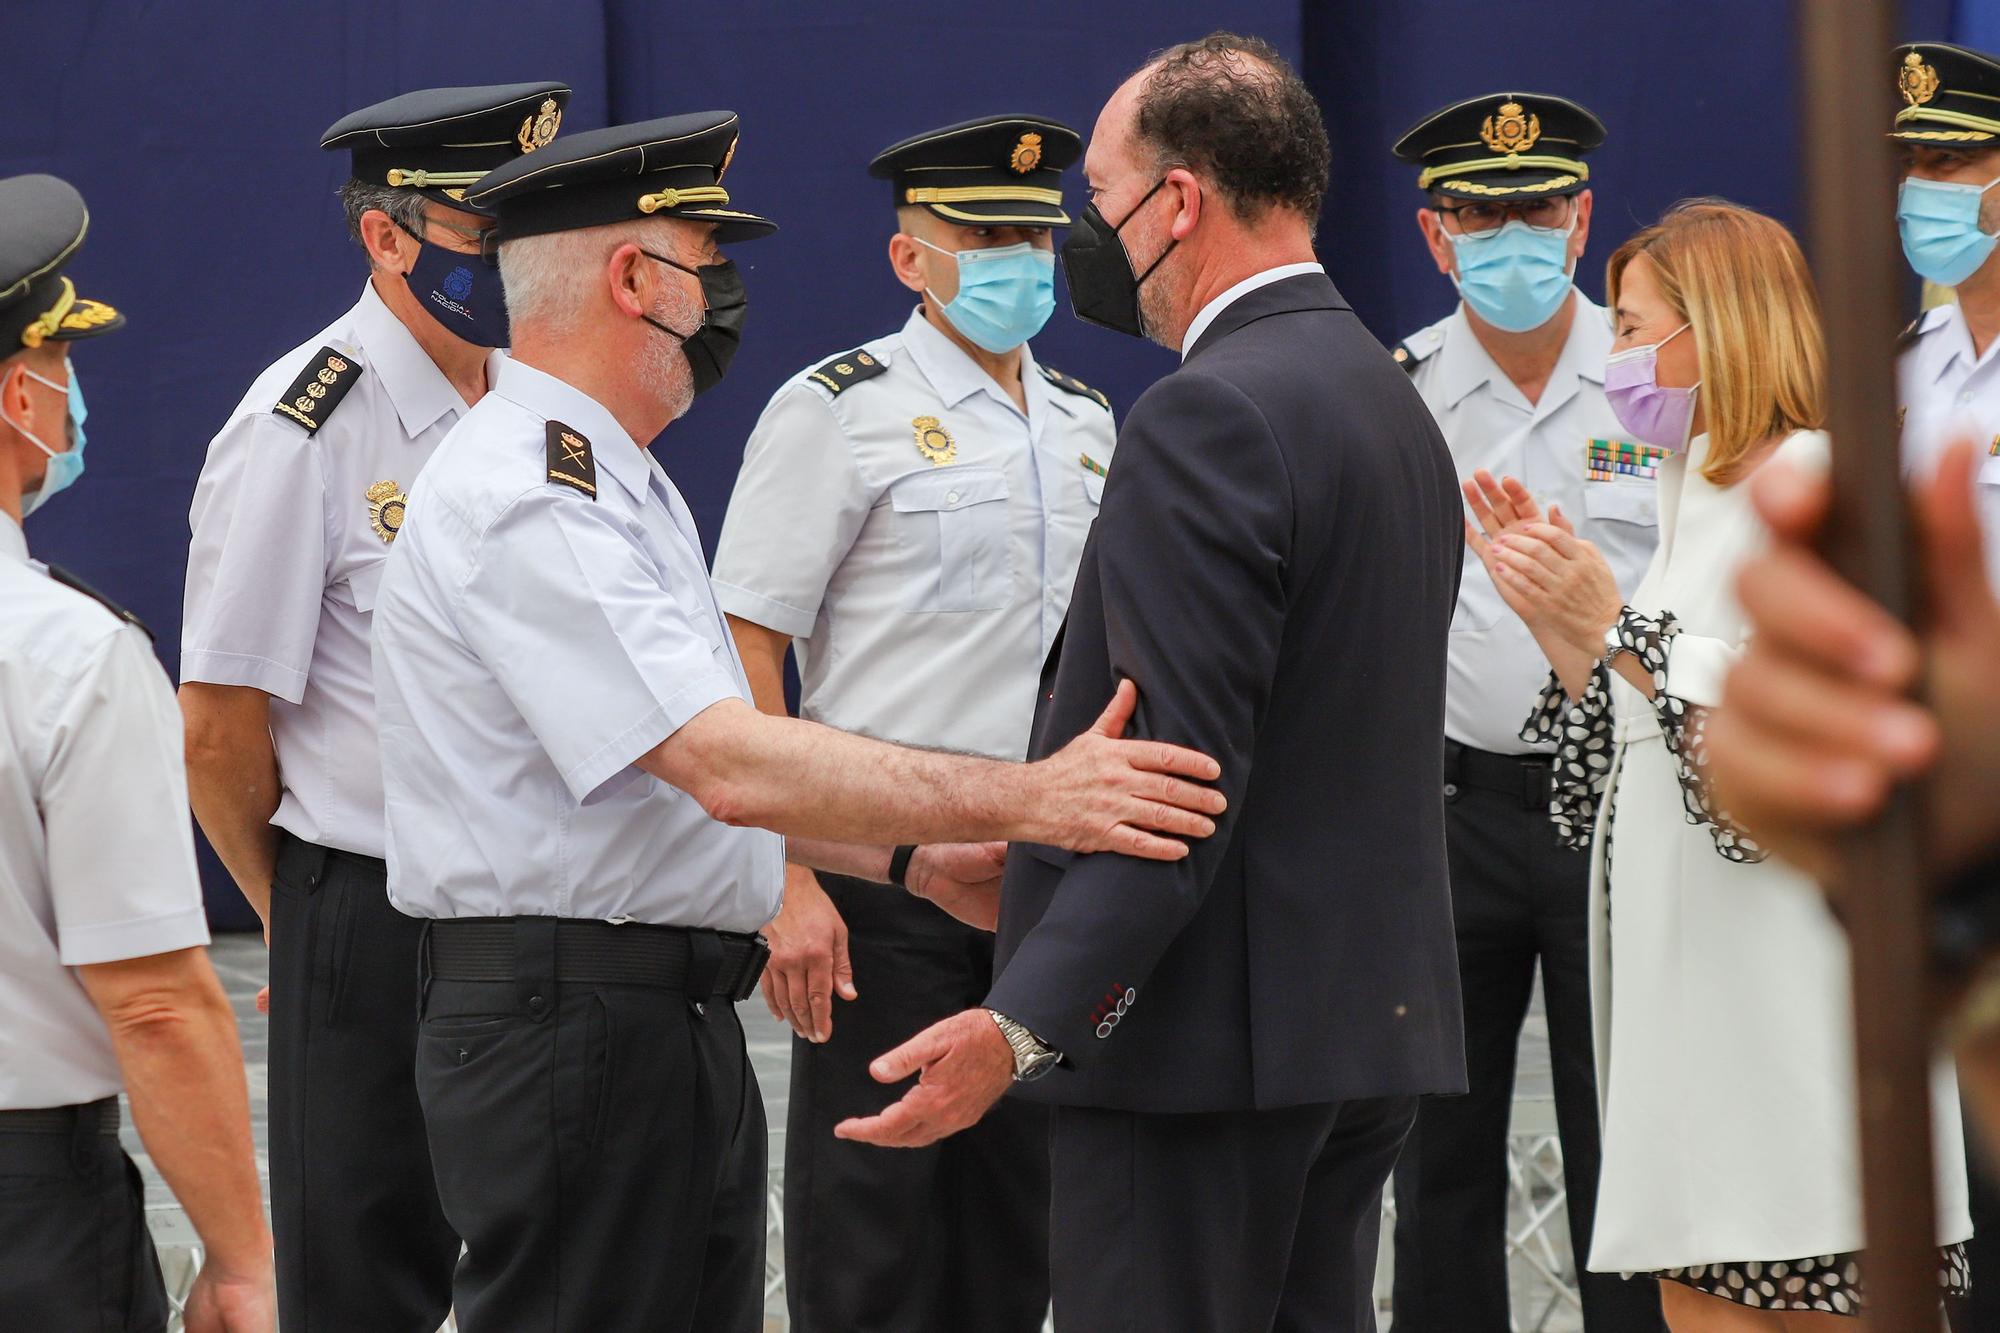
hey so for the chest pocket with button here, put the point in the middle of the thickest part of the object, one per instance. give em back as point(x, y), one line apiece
point(951, 525)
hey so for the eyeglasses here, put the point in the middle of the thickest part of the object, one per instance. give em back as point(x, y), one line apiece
point(1550, 213)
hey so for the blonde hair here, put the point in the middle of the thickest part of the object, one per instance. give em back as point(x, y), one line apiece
point(1738, 278)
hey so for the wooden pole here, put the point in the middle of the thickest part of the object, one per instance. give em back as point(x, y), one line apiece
point(1849, 98)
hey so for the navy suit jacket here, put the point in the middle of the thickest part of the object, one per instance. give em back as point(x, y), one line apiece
point(1275, 566)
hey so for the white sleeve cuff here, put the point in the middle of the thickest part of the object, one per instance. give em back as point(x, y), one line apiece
point(207, 667)
point(1697, 666)
point(758, 609)
point(142, 937)
point(585, 778)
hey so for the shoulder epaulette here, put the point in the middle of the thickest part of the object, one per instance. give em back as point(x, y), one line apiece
point(570, 462)
point(1404, 357)
point(1071, 384)
point(1412, 351)
point(319, 388)
point(847, 369)
point(69, 580)
point(1911, 332)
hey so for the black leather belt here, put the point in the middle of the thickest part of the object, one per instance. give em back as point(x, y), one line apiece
point(63, 1119)
point(1526, 777)
point(701, 964)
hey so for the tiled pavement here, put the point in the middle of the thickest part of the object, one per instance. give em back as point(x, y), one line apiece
point(241, 962)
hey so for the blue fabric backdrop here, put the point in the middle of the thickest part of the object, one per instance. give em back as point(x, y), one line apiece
point(192, 128)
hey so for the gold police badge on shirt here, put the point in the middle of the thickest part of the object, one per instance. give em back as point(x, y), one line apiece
point(386, 503)
point(934, 441)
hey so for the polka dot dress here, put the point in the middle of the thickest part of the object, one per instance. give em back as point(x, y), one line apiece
point(1584, 737)
point(1829, 1284)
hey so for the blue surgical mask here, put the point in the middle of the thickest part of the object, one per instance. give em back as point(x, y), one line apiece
point(1005, 295)
point(65, 466)
point(1515, 278)
point(1939, 222)
point(461, 292)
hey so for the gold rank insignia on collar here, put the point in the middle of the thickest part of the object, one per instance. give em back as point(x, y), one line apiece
point(934, 441)
point(386, 505)
point(319, 388)
point(569, 459)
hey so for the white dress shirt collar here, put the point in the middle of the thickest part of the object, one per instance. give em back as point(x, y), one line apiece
point(955, 375)
point(1250, 284)
point(13, 541)
point(613, 450)
point(1464, 364)
point(418, 389)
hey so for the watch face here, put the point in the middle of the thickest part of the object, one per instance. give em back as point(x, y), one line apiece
point(1036, 1065)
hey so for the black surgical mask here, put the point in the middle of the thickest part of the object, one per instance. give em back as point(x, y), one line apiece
point(711, 347)
point(461, 292)
point(1102, 289)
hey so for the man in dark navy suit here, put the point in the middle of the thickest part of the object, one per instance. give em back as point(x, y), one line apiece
point(1234, 1042)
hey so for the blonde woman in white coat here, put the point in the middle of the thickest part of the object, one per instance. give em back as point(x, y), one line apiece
point(1720, 983)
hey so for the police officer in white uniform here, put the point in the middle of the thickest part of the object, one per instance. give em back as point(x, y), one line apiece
point(1947, 135)
point(1948, 211)
point(573, 765)
point(103, 977)
point(1515, 378)
point(910, 515)
point(299, 500)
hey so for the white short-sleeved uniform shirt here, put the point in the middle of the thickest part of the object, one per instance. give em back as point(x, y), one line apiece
point(96, 852)
point(1948, 393)
point(290, 531)
point(1569, 450)
point(917, 535)
point(532, 641)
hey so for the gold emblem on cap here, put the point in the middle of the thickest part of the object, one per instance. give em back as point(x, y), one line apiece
point(934, 441)
point(727, 158)
point(386, 503)
point(540, 127)
point(1027, 154)
point(1511, 130)
point(1917, 81)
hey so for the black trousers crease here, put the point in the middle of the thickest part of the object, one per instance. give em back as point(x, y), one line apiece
point(1518, 898)
point(949, 1237)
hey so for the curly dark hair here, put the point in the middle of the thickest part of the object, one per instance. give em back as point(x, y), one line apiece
point(1234, 110)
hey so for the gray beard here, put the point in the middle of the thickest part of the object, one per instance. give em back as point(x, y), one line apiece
point(663, 368)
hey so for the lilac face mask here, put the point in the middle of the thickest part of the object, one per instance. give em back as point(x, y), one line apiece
point(1650, 414)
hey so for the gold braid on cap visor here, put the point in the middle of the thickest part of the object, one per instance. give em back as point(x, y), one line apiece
point(693, 194)
point(1511, 162)
point(45, 324)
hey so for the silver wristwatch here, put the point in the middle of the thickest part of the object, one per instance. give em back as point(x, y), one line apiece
point(1613, 645)
point(1032, 1059)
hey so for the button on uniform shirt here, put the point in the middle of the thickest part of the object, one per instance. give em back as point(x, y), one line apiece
point(287, 558)
point(1568, 450)
point(96, 853)
point(531, 642)
point(1948, 394)
point(922, 595)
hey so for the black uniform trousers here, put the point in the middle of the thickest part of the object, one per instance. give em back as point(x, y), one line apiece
point(74, 1251)
point(880, 1240)
point(1225, 1222)
point(601, 1149)
point(1517, 896)
point(361, 1241)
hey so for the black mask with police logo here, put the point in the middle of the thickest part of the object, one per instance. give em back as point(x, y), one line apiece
point(711, 347)
point(1102, 289)
point(461, 292)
